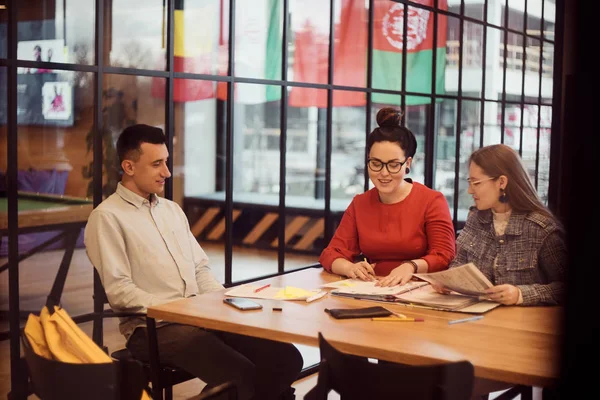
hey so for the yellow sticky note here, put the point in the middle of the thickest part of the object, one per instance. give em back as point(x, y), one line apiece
point(291, 292)
point(294, 292)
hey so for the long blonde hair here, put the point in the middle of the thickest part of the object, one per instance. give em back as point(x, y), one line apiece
point(499, 159)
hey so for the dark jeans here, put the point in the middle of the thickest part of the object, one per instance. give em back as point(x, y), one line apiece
point(261, 369)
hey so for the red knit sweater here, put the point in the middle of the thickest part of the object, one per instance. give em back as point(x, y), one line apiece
point(387, 234)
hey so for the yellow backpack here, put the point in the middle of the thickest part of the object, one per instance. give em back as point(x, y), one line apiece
point(55, 336)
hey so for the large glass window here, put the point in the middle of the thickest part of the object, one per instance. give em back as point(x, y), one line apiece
point(136, 39)
point(55, 31)
point(256, 160)
point(266, 131)
point(348, 154)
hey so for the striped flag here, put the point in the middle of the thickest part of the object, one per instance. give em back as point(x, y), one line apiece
point(194, 57)
point(258, 34)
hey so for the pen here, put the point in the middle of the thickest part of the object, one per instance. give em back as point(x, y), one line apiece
point(372, 276)
point(396, 319)
point(262, 287)
point(458, 321)
point(316, 296)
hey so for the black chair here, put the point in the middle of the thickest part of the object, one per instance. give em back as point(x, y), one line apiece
point(526, 393)
point(55, 380)
point(167, 376)
point(357, 378)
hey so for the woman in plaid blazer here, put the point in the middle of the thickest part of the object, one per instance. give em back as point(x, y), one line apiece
point(510, 235)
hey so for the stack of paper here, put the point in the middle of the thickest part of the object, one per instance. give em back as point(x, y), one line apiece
point(468, 283)
point(429, 297)
point(369, 290)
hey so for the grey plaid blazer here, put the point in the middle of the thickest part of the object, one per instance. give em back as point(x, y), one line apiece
point(532, 254)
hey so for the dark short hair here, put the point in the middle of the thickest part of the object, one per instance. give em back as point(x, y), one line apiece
point(390, 130)
point(133, 136)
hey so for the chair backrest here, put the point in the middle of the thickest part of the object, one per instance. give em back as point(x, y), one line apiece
point(357, 378)
point(53, 379)
point(100, 299)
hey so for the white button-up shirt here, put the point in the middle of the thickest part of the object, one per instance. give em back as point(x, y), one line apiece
point(145, 254)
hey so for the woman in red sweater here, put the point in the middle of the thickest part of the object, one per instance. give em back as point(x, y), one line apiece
point(401, 227)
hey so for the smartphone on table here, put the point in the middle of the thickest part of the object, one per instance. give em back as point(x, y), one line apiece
point(242, 303)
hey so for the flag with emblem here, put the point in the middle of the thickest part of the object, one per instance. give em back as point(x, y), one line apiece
point(388, 44)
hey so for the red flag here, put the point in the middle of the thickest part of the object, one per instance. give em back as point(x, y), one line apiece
point(311, 59)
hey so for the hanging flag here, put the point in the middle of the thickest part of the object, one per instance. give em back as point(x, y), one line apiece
point(311, 59)
point(388, 44)
point(198, 58)
point(258, 33)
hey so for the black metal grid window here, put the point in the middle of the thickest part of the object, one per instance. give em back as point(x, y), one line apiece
point(100, 68)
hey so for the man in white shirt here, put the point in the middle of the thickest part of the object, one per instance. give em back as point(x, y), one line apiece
point(145, 254)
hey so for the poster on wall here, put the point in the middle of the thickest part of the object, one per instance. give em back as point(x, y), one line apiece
point(57, 101)
point(44, 96)
point(42, 99)
point(40, 50)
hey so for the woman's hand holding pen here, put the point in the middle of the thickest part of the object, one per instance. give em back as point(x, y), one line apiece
point(361, 270)
point(399, 276)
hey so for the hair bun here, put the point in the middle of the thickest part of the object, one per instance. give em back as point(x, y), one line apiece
point(389, 117)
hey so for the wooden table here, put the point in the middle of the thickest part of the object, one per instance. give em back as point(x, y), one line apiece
point(39, 211)
point(518, 345)
point(42, 213)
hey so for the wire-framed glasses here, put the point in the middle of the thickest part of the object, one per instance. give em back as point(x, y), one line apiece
point(475, 183)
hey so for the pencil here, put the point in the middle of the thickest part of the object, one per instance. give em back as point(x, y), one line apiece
point(396, 319)
point(372, 276)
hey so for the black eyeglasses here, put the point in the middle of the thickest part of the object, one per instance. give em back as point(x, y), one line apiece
point(393, 167)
